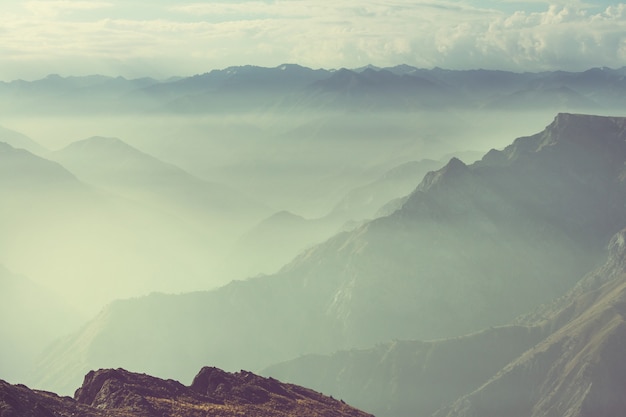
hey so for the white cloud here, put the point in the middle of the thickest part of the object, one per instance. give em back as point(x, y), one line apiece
point(54, 8)
point(196, 37)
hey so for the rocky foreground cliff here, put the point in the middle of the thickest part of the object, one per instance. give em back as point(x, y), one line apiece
point(119, 393)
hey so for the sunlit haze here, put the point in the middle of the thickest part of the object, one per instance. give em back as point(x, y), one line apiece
point(415, 207)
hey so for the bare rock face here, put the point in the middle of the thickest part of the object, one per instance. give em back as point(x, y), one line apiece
point(119, 393)
point(245, 388)
point(118, 389)
point(20, 401)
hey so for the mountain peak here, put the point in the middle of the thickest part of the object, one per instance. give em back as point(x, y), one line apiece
point(455, 165)
point(585, 129)
point(453, 169)
point(100, 143)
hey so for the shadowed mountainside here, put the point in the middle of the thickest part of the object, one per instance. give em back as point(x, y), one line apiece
point(564, 358)
point(577, 370)
point(410, 378)
point(472, 247)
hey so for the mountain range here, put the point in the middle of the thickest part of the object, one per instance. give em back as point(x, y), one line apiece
point(473, 247)
point(291, 87)
point(382, 273)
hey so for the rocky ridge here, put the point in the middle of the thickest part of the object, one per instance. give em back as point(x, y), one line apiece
point(119, 393)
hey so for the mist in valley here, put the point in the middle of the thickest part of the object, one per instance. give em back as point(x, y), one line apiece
point(162, 228)
point(169, 202)
point(269, 208)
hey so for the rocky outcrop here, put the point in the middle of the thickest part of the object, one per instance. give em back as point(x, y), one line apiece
point(20, 401)
point(119, 393)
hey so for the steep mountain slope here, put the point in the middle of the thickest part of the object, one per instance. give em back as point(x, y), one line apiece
point(363, 202)
point(472, 247)
point(279, 238)
point(410, 378)
point(117, 393)
point(578, 369)
point(563, 359)
point(22, 170)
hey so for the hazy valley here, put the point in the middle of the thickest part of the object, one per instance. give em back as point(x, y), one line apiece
point(414, 242)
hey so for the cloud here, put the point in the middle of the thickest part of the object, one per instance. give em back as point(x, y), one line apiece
point(55, 8)
point(561, 37)
point(196, 37)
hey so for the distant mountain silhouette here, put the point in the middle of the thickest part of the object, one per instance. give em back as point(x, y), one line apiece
point(373, 89)
point(78, 236)
point(21, 170)
point(125, 170)
point(549, 98)
point(276, 240)
point(19, 140)
point(117, 393)
point(290, 87)
point(70, 95)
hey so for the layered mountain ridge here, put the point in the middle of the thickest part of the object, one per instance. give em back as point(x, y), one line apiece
point(577, 369)
point(473, 246)
point(567, 354)
point(563, 359)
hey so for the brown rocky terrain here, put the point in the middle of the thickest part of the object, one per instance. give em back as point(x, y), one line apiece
point(119, 393)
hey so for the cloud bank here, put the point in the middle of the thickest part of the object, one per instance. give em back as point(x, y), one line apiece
point(166, 38)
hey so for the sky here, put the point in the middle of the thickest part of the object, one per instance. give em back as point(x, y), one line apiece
point(162, 38)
